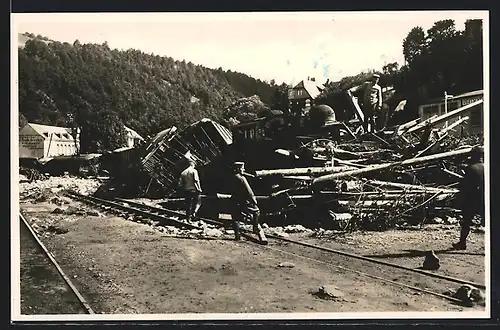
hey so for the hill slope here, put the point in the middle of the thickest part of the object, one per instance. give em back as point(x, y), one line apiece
point(99, 89)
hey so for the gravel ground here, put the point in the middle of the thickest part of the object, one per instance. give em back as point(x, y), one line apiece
point(121, 266)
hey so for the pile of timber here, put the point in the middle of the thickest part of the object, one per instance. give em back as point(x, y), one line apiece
point(404, 174)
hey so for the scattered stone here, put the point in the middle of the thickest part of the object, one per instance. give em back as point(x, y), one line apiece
point(437, 220)
point(93, 213)
point(229, 232)
point(295, 229)
point(469, 295)
point(286, 265)
point(451, 220)
point(265, 225)
point(212, 232)
point(56, 230)
point(283, 235)
point(431, 261)
point(329, 292)
point(59, 210)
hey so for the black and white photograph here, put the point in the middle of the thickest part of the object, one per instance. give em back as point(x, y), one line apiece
point(250, 165)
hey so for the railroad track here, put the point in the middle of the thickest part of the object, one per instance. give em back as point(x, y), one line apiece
point(48, 255)
point(386, 272)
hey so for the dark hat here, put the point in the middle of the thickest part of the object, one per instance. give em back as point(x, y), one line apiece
point(238, 164)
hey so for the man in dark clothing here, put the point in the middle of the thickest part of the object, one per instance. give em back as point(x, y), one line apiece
point(189, 182)
point(243, 201)
point(471, 196)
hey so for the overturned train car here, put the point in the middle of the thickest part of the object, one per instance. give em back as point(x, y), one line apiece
point(166, 157)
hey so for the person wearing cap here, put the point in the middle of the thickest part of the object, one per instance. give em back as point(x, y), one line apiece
point(243, 200)
point(471, 195)
point(189, 182)
point(372, 100)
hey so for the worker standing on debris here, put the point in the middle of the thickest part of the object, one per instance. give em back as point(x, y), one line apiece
point(190, 184)
point(243, 200)
point(471, 195)
point(372, 100)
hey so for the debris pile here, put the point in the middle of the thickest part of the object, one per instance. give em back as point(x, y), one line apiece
point(48, 189)
point(402, 175)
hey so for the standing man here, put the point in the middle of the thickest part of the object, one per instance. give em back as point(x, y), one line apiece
point(372, 100)
point(471, 195)
point(189, 182)
point(244, 202)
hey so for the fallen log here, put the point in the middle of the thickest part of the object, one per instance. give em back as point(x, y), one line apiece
point(381, 167)
point(409, 186)
point(303, 171)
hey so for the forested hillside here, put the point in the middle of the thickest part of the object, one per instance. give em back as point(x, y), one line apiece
point(99, 89)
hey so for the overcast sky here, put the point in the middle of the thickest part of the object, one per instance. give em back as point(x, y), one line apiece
point(286, 47)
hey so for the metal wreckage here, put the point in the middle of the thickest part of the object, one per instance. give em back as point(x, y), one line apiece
point(309, 168)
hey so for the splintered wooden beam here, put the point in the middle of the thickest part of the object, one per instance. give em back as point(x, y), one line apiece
point(452, 126)
point(382, 167)
point(303, 171)
point(359, 112)
point(445, 117)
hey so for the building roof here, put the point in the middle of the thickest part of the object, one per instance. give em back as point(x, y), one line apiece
point(311, 87)
point(133, 133)
point(46, 131)
point(456, 97)
point(469, 94)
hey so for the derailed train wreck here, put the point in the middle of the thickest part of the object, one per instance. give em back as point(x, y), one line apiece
point(153, 169)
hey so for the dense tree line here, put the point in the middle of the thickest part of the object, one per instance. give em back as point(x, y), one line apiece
point(99, 89)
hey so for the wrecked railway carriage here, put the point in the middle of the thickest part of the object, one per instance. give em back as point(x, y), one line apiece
point(153, 169)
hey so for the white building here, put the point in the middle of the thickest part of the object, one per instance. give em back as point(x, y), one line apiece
point(37, 141)
point(132, 137)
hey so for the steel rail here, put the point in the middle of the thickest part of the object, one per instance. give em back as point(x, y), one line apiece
point(274, 236)
point(82, 300)
point(380, 262)
point(414, 288)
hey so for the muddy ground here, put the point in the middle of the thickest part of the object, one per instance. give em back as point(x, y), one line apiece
point(121, 266)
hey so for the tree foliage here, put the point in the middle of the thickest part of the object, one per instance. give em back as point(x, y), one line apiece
point(99, 89)
point(437, 60)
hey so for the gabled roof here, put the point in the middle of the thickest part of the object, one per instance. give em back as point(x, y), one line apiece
point(46, 131)
point(311, 87)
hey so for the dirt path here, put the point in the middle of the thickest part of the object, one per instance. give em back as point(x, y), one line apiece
point(125, 267)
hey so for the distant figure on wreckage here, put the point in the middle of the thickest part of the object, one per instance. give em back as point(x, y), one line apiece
point(372, 102)
point(189, 182)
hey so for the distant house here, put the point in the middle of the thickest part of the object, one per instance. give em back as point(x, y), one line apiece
point(38, 141)
point(304, 93)
point(132, 137)
point(476, 114)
